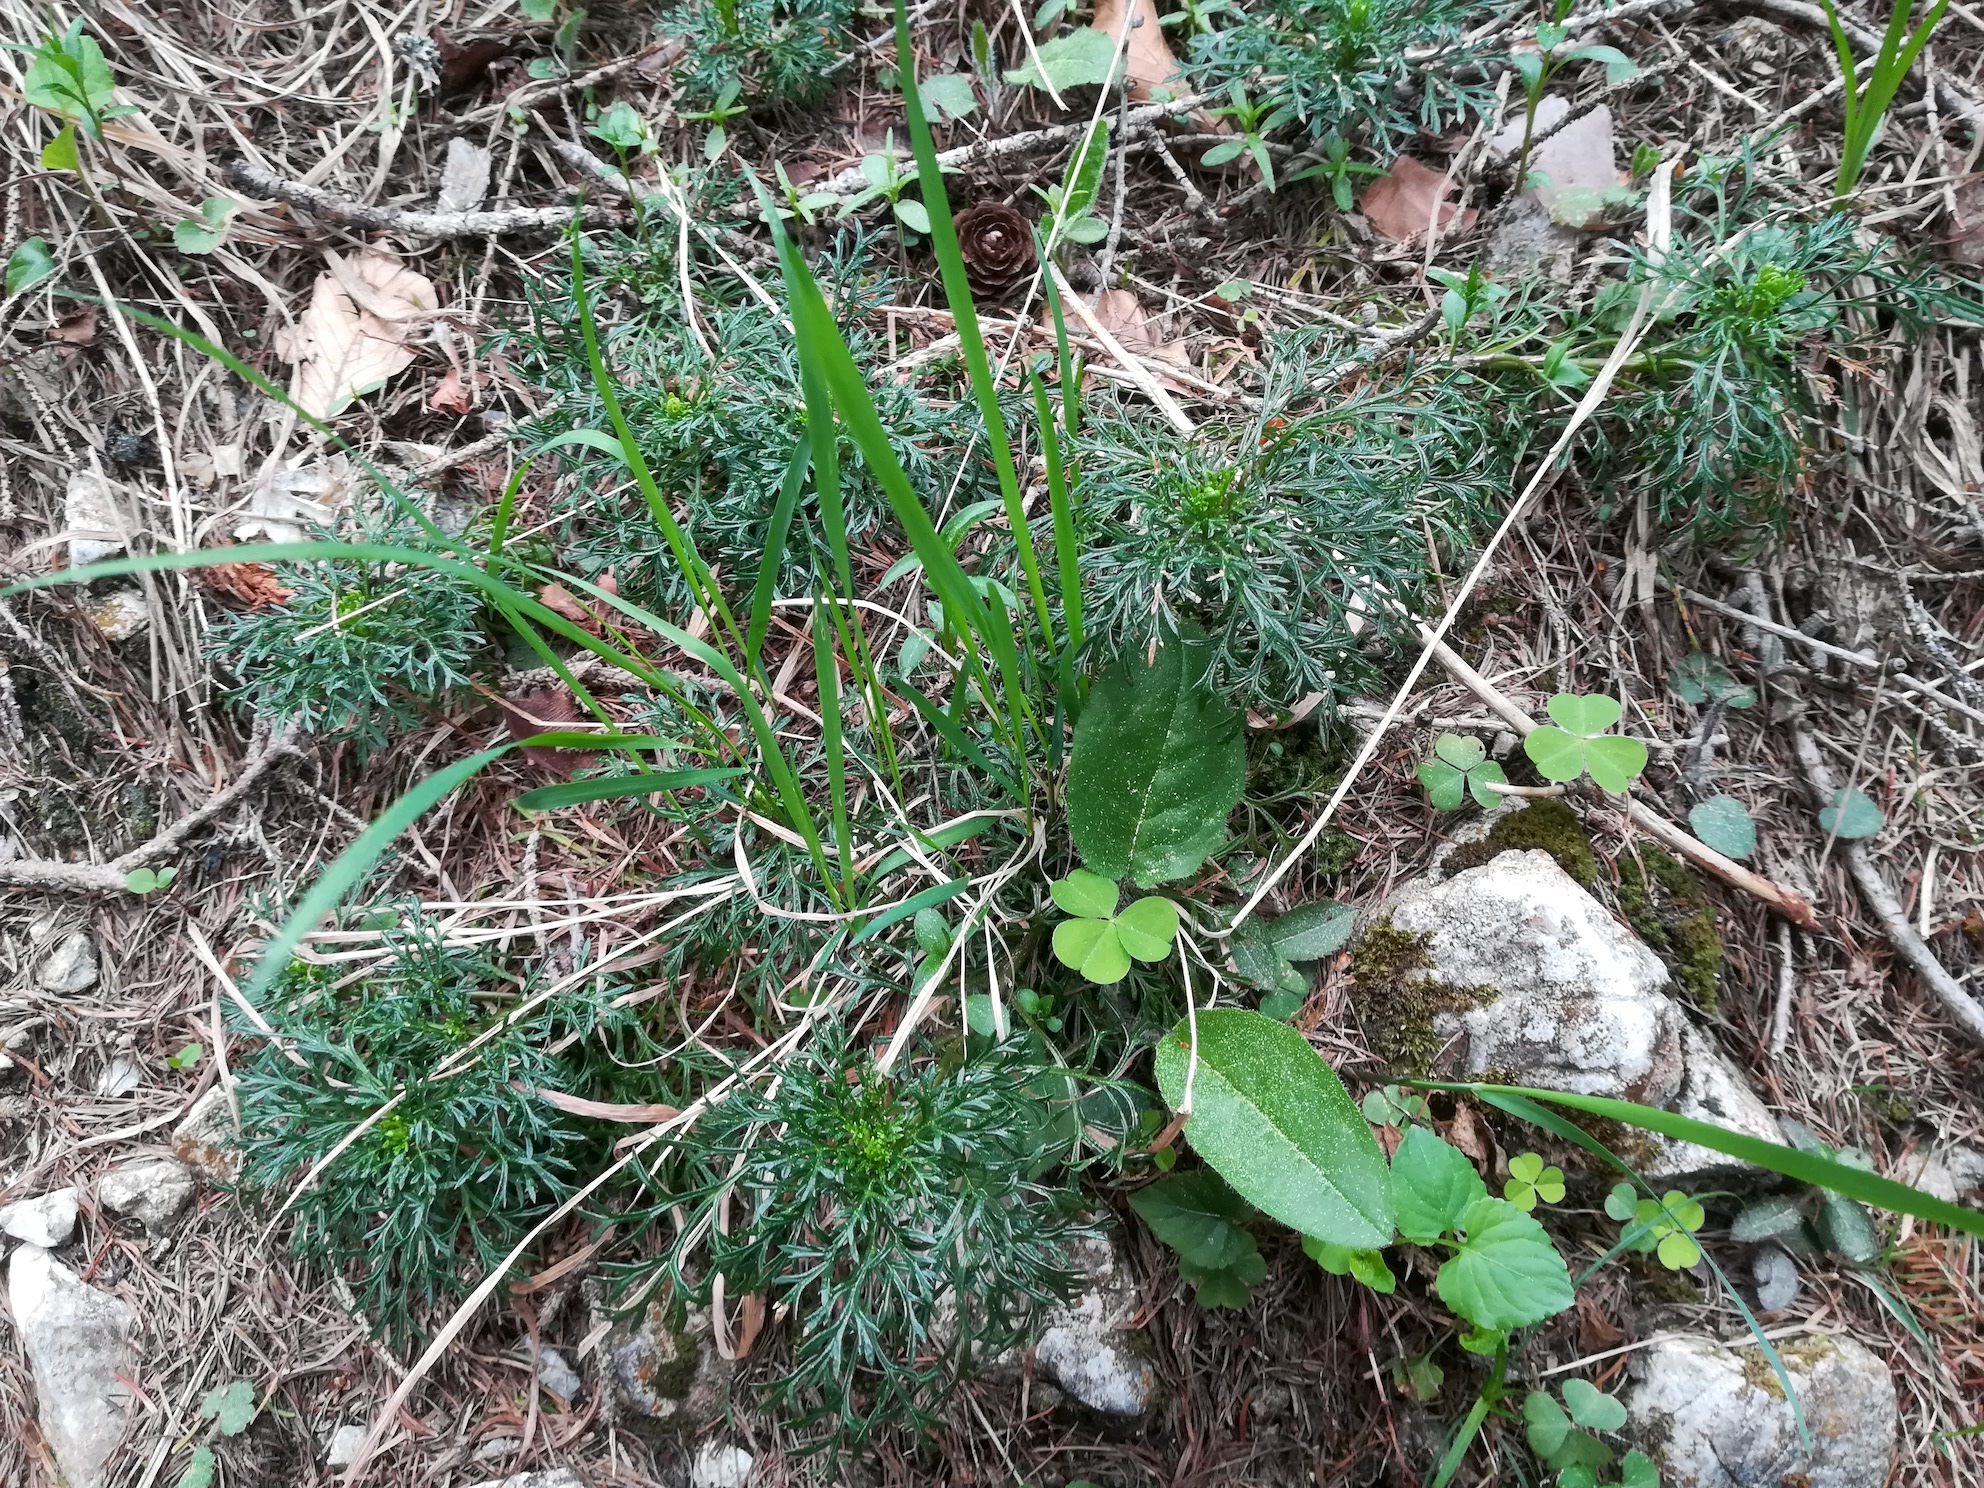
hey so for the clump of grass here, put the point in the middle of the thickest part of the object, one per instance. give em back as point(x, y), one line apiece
point(360, 649)
point(431, 1196)
point(1379, 70)
point(905, 1222)
point(776, 52)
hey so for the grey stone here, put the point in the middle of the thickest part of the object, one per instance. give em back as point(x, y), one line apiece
point(1776, 1276)
point(1945, 1172)
point(720, 1465)
point(47, 1220)
point(1717, 1417)
point(557, 1477)
point(154, 1192)
point(70, 967)
point(1572, 1001)
point(557, 1376)
point(78, 1342)
point(344, 1447)
point(1086, 1348)
point(669, 1374)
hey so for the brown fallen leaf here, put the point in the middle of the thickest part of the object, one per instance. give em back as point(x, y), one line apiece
point(77, 328)
point(464, 64)
point(542, 711)
point(353, 336)
point(1147, 57)
point(1399, 206)
point(252, 584)
point(453, 395)
point(1122, 315)
point(557, 598)
point(633, 1115)
point(1596, 1331)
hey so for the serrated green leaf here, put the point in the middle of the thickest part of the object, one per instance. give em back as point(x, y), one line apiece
point(1545, 1426)
point(1557, 755)
point(1851, 816)
point(1614, 762)
point(230, 1407)
point(1079, 58)
point(1585, 715)
point(1309, 932)
point(1148, 927)
point(1506, 1274)
point(1157, 764)
point(1591, 1407)
point(1723, 822)
point(1276, 1122)
point(1198, 1216)
point(1433, 1186)
point(1462, 751)
point(1086, 894)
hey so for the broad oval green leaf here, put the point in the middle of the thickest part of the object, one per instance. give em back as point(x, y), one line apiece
point(1433, 1184)
point(1506, 1274)
point(1148, 927)
point(1312, 931)
point(1557, 755)
point(1723, 822)
point(30, 264)
point(1081, 57)
point(1273, 1118)
point(1085, 893)
point(1157, 764)
point(1198, 1216)
point(1614, 762)
point(950, 93)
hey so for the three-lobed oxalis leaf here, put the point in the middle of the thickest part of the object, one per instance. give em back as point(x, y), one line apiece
point(1851, 816)
point(1275, 1121)
point(1098, 942)
point(1460, 767)
point(1200, 1218)
point(1702, 679)
point(1156, 766)
point(1578, 743)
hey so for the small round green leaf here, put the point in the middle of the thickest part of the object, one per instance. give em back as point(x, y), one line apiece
point(1637, 1470)
point(1148, 927)
point(1446, 787)
point(1591, 1407)
point(914, 215)
point(1622, 1202)
point(1462, 751)
point(1614, 762)
point(30, 264)
point(1678, 1251)
point(1852, 815)
point(1557, 755)
point(1724, 824)
point(1085, 893)
point(1478, 781)
point(1584, 715)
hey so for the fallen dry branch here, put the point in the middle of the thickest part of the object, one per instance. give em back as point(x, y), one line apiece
point(113, 877)
point(256, 181)
point(1794, 907)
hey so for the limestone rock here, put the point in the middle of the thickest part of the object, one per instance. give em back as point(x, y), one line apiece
point(1570, 999)
point(1716, 1417)
point(556, 1375)
point(720, 1465)
point(89, 506)
point(1086, 1348)
point(78, 1342)
point(48, 1220)
point(71, 967)
point(344, 1446)
point(557, 1477)
point(1947, 1172)
point(153, 1191)
point(669, 1374)
point(1776, 1276)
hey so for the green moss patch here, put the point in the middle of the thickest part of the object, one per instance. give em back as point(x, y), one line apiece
point(1547, 824)
point(1667, 904)
point(1397, 1003)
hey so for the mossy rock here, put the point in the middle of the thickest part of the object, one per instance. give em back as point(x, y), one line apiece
point(1397, 1003)
point(1668, 905)
point(1546, 824)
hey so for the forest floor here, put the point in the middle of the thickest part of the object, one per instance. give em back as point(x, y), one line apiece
point(337, 130)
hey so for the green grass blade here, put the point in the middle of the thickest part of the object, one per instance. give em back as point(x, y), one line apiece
point(937, 894)
point(572, 792)
point(964, 314)
point(766, 589)
point(948, 730)
point(826, 673)
point(1067, 557)
point(1071, 393)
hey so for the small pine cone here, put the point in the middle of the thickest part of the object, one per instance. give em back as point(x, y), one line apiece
point(997, 244)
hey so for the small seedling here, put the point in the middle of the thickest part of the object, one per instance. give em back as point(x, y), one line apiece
point(1418, 1378)
point(149, 880)
point(719, 114)
point(1536, 68)
point(621, 126)
point(187, 1058)
point(231, 1407)
point(887, 180)
point(1460, 767)
point(1254, 121)
point(1339, 170)
point(1266, 952)
point(197, 236)
point(1467, 295)
point(1098, 942)
point(1666, 1226)
point(69, 77)
point(1394, 1106)
point(1579, 744)
point(1529, 1181)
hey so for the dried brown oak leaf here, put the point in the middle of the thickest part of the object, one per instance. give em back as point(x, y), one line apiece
point(1147, 60)
point(1400, 205)
point(997, 245)
point(353, 336)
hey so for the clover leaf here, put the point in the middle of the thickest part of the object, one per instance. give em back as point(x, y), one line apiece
point(1723, 822)
point(1665, 1226)
point(230, 1407)
point(1577, 744)
point(1460, 766)
point(1702, 679)
point(1098, 942)
point(1852, 815)
point(1592, 1408)
point(1529, 1181)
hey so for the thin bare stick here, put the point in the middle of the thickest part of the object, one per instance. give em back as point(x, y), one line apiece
point(1138, 372)
point(258, 181)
